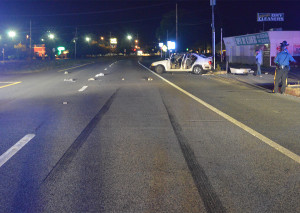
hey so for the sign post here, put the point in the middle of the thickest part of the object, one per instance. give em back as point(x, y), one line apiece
point(221, 45)
point(212, 4)
point(160, 46)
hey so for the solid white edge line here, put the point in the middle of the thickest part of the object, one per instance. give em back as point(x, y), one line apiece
point(83, 88)
point(261, 137)
point(15, 148)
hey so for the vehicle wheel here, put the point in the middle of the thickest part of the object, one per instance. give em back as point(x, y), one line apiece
point(198, 70)
point(159, 69)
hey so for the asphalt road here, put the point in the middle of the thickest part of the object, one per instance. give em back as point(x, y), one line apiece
point(126, 143)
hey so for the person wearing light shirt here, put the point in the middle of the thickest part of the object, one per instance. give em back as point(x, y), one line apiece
point(259, 62)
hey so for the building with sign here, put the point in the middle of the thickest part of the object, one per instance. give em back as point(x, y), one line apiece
point(241, 49)
point(39, 50)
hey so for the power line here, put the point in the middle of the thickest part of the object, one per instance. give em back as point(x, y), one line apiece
point(86, 13)
point(187, 24)
point(91, 25)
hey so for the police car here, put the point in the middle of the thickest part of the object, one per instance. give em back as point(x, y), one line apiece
point(183, 62)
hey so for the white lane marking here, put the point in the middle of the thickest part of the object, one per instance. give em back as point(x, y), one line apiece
point(261, 137)
point(83, 88)
point(15, 148)
point(75, 67)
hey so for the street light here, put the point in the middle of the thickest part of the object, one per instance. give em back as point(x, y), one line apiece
point(12, 34)
point(87, 39)
point(129, 37)
point(102, 38)
point(51, 36)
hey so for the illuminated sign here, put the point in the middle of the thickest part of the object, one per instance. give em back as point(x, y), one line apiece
point(160, 45)
point(113, 41)
point(270, 17)
point(164, 48)
point(60, 49)
point(171, 45)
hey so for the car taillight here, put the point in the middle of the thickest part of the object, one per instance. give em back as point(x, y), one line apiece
point(210, 62)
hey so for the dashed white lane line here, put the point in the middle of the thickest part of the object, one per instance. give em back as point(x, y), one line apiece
point(15, 148)
point(261, 137)
point(83, 88)
point(75, 67)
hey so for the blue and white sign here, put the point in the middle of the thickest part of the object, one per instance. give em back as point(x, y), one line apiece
point(270, 17)
point(171, 45)
point(259, 38)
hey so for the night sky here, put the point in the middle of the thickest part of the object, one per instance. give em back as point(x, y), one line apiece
point(143, 18)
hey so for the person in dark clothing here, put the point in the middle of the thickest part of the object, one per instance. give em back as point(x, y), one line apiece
point(282, 62)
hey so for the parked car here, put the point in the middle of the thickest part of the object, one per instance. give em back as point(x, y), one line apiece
point(183, 62)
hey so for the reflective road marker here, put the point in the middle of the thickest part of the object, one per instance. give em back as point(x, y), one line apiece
point(15, 148)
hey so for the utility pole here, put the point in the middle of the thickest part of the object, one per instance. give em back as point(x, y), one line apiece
point(167, 44)
point(30, 48)
point(213, 3)
point(221, 45)
point(176, 29)
point(75, 43)
point(110, 48)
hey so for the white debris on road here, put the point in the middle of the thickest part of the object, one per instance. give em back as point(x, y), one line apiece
point(69, 80)
point(66, 73)
point(65, 102)
point(91, 79)
point(99, 75)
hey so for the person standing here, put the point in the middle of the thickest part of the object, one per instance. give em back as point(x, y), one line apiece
point(282, 62)
point(259, 62)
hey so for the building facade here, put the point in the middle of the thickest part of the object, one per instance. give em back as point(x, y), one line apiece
point(241, 49)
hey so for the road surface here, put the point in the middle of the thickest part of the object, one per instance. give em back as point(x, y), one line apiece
point(133, 141)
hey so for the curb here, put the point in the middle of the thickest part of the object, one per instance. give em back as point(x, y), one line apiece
point(293, 90)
